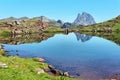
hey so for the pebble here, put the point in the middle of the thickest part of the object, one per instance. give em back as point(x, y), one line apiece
point(3, 65)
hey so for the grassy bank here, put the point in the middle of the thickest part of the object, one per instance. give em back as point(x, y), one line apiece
point(24, 69)
point(54, 30)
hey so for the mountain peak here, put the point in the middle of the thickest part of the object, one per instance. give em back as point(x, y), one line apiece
point(84, 13)
point(79, 14)
point(84, 19)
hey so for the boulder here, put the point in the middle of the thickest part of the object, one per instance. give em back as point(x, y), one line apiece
point(54, 71)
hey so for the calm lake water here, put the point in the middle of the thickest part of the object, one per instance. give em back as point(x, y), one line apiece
point(90, 57)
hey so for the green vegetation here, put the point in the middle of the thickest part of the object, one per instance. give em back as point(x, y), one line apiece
point(113, 25)
point(113, 36)
point(54, 30)
point(30, 22)
point(5, 33)
point(24, 69)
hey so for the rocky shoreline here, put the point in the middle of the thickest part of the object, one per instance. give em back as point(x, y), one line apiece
point(50, 68)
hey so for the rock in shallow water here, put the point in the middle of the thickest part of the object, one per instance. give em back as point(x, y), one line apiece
point(51, 67)
point(41, 60)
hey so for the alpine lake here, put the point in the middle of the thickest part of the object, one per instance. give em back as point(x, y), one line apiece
point(91, 56)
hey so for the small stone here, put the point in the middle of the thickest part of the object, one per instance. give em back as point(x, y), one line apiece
point(51, 67)
point(2, 65)
point(78, 74)
point(113, 79)
point(47, 70)
point(41, 60)
point(58, 72)
point(40, 71)
point(66, 74)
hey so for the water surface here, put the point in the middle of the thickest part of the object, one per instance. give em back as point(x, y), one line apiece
point(81, 55)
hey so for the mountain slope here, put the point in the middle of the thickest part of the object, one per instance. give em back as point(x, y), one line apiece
point(107, 26)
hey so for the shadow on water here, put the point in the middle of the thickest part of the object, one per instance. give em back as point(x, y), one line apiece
point(21, 39)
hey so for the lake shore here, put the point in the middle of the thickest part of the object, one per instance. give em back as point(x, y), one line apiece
point(13, 67)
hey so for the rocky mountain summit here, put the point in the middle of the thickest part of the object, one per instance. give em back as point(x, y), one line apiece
point(84, 19)
point(81, 20)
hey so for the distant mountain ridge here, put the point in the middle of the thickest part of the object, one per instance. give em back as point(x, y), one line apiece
point(13, 19)
point(81, 20)
point(43, 19)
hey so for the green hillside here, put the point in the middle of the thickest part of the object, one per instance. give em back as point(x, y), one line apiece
point(110, 25)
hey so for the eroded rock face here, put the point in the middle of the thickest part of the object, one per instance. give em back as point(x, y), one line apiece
point(68, 25)
point(84, 19)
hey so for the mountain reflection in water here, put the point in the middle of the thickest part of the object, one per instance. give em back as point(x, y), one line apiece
point(95, 59)
point(83, 37)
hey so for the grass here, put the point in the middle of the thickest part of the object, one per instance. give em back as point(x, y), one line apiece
point(54, 30)
point(5, 33)
point(114, 24)
point(24, 69)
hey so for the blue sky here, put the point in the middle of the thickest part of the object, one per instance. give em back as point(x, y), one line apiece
point(65, 10)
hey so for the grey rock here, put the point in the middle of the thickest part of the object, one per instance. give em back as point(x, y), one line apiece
point(51, 67)
point(41, 60)
point(56, 72)
point(66, 74)
point(68, 25)
point(40, 71)
point(43, 19)
point(84, 19)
